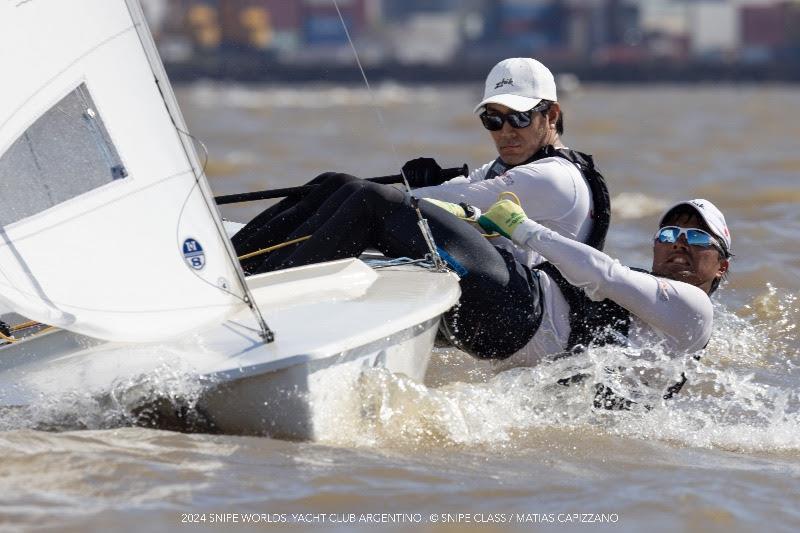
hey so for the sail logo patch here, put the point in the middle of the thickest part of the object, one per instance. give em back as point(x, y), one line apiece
point(193, 254)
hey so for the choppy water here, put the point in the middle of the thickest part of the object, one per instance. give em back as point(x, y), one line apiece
point(511, 451)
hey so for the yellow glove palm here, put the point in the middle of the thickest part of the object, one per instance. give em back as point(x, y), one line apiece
point(455, 209)
point(503, 217)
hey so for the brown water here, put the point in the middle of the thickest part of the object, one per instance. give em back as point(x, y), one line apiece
point(497, 453)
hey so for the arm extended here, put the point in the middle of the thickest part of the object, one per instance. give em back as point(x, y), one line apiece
point(681, 312)
point(549, 190)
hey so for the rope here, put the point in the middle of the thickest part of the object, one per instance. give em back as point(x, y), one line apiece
point(25, 325)
point(514, 197)
point(422, 222)
point(273, 248)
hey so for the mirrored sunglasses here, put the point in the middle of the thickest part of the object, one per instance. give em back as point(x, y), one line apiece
point(694, 236)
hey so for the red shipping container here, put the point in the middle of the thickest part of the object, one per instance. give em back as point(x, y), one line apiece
point(764, 25)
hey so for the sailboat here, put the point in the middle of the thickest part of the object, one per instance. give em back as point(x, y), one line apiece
point(110, 235)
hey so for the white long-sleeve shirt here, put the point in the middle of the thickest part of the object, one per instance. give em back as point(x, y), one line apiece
point(662, 310)
point(552, 191)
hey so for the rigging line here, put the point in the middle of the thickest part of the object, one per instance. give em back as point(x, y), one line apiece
point(422, 222)
point(373, 100)
point(274, 247)
point(195, 187)
point(198, 141)
point(266, 333)
point(25, 325)
point(173, 111)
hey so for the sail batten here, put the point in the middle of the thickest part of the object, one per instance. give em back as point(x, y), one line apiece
point(106, 227)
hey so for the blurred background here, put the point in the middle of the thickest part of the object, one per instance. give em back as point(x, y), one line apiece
point(459, 40)
point(675, 99)
point(271, 91)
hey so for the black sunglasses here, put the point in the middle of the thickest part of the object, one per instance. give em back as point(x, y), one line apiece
point(515, 119)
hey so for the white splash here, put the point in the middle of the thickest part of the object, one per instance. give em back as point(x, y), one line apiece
point(634, 205)
point(166, 397)
point(741, 395)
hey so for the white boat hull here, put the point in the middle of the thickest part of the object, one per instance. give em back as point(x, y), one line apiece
point(296, 402)
point(331, 321)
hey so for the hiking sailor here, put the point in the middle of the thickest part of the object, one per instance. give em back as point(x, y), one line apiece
point(617, 304)
point(558, 187)
point(508, 310)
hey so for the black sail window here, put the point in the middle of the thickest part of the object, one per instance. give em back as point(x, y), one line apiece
point(64, 154)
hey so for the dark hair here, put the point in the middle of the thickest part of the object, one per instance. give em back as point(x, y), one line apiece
point(559, 120)
point(716, 282)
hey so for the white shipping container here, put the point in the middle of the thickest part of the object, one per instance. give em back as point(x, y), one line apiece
point(429, 38)
point(714, 27)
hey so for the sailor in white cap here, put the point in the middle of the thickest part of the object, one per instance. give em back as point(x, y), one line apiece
point(694, 223)
point(670, 304)
point(558, 187)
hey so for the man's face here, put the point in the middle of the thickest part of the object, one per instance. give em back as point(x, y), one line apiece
point(681, 261)
point(516, 146)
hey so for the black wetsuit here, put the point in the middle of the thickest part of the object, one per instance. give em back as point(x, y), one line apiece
point(499, 309)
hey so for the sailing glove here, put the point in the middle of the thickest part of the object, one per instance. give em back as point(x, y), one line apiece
point(462, 210)
point(503, 217)
point(455, 209)
point(423, 172)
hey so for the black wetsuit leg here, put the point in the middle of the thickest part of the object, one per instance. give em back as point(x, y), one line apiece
point(274, 224)
point(499, 310)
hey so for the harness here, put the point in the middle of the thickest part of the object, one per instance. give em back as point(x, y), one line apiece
point(591, 323)
point(601, 214)
point(598, 324)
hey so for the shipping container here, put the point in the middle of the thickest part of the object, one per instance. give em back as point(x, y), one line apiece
point(203, 24)
point(322, 24)
point(426, 38)
point(621, 22)
point(763, 26)
point(325, 29)
point(401, 10)
point(532, 24)
point(285, 15)
point(792, 26)
point(244, 24)
point(713, 28)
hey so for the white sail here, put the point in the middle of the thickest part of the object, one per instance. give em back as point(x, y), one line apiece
point(108, 228)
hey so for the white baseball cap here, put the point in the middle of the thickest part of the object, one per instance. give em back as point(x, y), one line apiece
point(519, 83)
point(712, 216)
